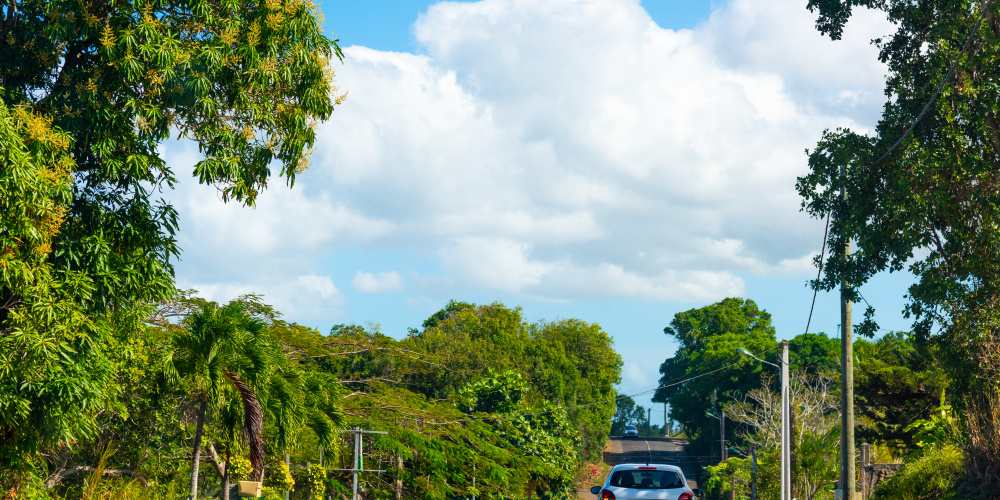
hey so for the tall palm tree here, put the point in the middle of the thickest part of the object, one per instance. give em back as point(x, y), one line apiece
point(222, 349)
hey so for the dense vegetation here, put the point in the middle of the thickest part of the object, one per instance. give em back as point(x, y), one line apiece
point(901, 386)
point(114, 384)
point(239, 388)
point(922, 194)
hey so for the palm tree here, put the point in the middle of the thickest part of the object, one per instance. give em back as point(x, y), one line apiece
point(221, 350)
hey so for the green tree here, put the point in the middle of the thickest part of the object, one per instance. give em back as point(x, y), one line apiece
point(223, 348)
point(921, 191)
point(54, 373)
point(89, 90)
point(897, 381)
point(627, 413)
point(709, 338)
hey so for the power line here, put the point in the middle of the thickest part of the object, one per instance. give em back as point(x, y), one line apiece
point(984, 7)
point(585, 405)
point(822, 255)
point(947, 76)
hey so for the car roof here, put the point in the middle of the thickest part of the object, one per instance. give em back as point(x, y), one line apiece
point(673, 468)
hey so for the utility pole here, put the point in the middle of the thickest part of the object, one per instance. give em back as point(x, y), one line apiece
point(649, 423)
point(359, 461)
point(786, 459)
point(847, 480)
point(715, 413)
point(722, 428)
point(753, 473)
point(722, 432)
point(665, 433)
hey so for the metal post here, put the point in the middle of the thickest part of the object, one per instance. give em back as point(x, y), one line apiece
point(847, 479)
point(753, 473)
point(786, 462)
point(356, 466)
point(722, 432)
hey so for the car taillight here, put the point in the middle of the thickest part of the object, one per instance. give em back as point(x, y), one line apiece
point(607, 495)
point(687, 495)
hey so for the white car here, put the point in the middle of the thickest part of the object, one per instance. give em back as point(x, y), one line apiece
point(645, 482)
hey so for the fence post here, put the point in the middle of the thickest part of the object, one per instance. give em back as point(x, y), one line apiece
point(866, 459)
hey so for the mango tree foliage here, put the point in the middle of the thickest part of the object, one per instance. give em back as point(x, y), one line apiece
point(51, 366)
point(89, 91)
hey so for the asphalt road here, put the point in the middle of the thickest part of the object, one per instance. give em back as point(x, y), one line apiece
point(658, 450)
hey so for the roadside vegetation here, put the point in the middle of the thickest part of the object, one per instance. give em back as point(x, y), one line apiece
point(211, 394)
point(115, 384)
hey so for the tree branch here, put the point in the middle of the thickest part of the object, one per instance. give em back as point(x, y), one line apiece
point(213, 456)
point(58, 476)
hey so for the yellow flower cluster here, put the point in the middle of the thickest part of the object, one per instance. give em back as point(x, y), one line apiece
point(107, 37)
point(253, 34)
point(275, 20)
point(38, 128)
point(228, 36)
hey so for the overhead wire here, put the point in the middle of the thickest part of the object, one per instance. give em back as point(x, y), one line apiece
point(585, 405)
point(822, 255)
point(984, 7)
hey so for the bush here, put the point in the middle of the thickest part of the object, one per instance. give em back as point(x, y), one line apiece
point(934, 475)
point(280, 479)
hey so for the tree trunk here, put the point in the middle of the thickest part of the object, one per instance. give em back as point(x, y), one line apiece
point(196, 458)
point(253, 424)
point(225, 477)
point(399, 478)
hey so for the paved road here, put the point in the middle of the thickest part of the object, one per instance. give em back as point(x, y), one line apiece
point(659, 450)
point(672, 451)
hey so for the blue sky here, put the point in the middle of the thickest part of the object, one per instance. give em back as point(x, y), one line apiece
point(607, 160)
point(386, 24)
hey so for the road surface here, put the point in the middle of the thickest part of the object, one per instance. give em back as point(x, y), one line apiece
point(658, 450)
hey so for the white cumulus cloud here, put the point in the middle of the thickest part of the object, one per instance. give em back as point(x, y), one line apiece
point(563, 149)
point(389, 281)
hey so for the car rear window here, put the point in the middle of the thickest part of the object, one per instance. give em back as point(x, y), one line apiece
point(646, 479)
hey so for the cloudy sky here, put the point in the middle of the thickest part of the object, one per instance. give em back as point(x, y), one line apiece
point(615, 161)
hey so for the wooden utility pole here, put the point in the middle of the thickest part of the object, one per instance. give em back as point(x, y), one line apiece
point(847, 472)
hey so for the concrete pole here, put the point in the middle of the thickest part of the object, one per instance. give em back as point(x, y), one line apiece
point(786, 459)
point(722, 432)
point(847, 472)
point(665, 433)
point(715, 412)
point(753, 472)
point(649, 423)
point(288, 462)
